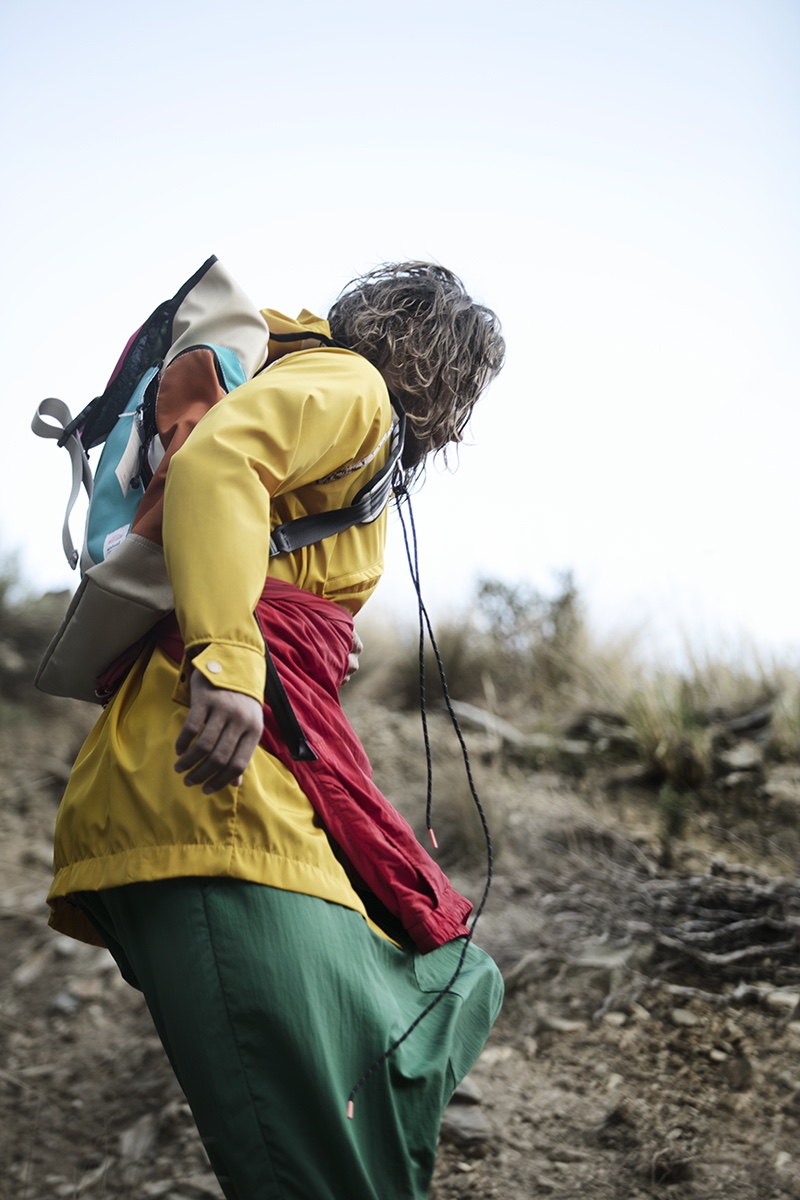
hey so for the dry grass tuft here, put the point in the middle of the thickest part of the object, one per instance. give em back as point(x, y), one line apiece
point(533, 660)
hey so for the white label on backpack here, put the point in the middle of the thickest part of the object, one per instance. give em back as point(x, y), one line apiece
point(128, 465)
point(114, 539)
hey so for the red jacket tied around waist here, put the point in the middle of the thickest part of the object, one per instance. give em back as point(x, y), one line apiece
point(309, 639)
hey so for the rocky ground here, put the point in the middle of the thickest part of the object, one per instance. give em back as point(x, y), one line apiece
point(648, 1047)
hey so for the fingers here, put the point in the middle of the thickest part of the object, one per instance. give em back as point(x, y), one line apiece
point(219, 736)
point(353, 657)
point(192, 726)
point(224, 765)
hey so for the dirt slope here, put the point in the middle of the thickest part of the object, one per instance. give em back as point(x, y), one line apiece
point(598, 1081)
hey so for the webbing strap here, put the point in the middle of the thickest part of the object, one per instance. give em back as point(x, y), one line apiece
point(285, 717)
point(81, 471)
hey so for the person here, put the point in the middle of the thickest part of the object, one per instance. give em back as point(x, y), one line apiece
point(286, 928)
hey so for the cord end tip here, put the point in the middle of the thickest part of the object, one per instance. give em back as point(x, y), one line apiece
point(349, 1110)
point(433, 839)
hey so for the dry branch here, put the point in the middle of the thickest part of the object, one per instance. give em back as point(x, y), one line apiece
point(735, 925)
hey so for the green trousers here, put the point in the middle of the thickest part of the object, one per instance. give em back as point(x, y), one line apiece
point(272, 1005)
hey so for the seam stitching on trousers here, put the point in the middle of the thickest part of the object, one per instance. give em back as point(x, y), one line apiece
point(235, 1041)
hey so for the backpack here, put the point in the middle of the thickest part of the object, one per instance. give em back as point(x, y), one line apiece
point(188, 355)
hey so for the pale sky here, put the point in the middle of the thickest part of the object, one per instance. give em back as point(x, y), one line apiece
point(620, 180)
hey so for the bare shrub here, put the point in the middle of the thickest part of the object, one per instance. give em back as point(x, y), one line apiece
point(523, 647)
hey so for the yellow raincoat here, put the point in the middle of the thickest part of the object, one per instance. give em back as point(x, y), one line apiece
point(260, 457)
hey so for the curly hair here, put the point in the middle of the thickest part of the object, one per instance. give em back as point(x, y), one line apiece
point(437, 348)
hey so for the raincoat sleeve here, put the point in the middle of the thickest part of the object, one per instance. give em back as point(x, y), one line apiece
point(299, 421)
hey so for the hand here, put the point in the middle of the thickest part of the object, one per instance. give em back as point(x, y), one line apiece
point(219, 735)
point(352, 658)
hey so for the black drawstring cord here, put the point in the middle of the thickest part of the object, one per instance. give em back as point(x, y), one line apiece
point(423, 612)
point(401, 494)
point(413, 566)
point(399, 1041)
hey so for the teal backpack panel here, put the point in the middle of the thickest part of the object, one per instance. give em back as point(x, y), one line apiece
point(118, 483)
point(233, 374)
point(122, 474)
